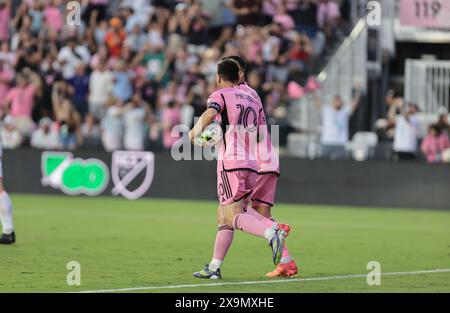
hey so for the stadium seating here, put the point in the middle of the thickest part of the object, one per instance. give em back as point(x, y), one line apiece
point(362, 146)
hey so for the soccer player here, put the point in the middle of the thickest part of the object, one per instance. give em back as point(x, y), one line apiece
point(239, 114)
point(8, 236)
point(268, 172)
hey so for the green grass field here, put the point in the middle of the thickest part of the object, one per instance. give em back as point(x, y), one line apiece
point(157, 243)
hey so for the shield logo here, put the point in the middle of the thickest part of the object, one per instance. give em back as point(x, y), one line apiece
point(132, 173)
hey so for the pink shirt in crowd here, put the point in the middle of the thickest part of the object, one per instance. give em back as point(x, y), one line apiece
point(171, 117)
point(327, 12)
point(433, 147)
point(53, 18)
point(270, 7)
point(5, 17)
point(285, 20)
point(22, 100)
point(6, 76)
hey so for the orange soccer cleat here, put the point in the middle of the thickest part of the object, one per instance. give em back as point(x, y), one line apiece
point(285, 227)
point(284, 270)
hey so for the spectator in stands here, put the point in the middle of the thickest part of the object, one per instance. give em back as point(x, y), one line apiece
point(132, 19)
point(283, 18)
point(434, 144)
point(91, 132)
point(72, 56)
point(196, 98)
point(170, 118)
point(53, 16)
point(80, 84)
point(335, 124)
point(136, 38)
point(269, 8)
point(443, 123)
point(195, 26)
point(37, 15)
point(155, 62)
point(300, 53)
point(406, 130)
point(305, 17)
point(328, 16)
point(68, 119)
point(155, 34)
point(11, 137)
point(45, 137)
point(6, 78)
point(7, 56)
point(5, 18)
point(96, 11)
point(100, 88)
point(134, 124)
point(122, 87)
point(112, 127)
point(20, 100)
point(247, 11)
point(115, 37)
point(278, 55)
point(159, 42)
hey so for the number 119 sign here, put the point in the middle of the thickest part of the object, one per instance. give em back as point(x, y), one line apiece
point(425, 13)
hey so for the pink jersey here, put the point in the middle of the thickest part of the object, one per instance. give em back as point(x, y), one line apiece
point(267, 157)
point(240, 114)
point(22, 100)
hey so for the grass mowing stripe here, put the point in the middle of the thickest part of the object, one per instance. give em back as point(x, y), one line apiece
point(260, 282)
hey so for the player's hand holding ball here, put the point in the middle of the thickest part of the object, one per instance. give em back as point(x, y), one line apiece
point(210, 137)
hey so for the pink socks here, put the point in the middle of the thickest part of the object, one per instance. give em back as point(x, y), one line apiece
point(224, 238)
point(252, 225)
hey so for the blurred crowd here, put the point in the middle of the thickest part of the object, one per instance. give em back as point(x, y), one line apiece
point(404, 134)
point(413, 137)
point(133, 69)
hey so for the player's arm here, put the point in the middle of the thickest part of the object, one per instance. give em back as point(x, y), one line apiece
point(205, 119)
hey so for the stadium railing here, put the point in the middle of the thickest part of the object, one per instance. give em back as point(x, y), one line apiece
point(347, 67)
point(427, 83)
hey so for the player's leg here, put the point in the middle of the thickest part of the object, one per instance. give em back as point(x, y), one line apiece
point(287, 266)
point(224, 239)
point(224, 235)
point(242, 184)
point(6, 218)
point(262, 203)
point(233, 190)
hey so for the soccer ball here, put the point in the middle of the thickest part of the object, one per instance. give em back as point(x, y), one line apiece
point(211, 135)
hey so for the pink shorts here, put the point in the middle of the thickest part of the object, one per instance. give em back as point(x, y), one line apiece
point(264, 191)
point(234, 186)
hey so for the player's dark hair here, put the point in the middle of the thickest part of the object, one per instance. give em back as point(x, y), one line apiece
point(238, 60)
point(228, 70)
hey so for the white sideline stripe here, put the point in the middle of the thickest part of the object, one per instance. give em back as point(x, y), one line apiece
point(262, 282)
